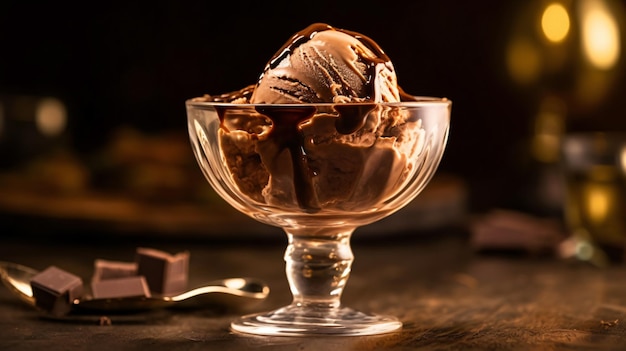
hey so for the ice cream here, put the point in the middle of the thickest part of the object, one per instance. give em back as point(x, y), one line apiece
point(324, 64)
point(347, 154)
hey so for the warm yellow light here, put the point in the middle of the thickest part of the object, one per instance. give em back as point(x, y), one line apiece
point(50, 116)
point(555, 22)
point(598, 203)
point(600, 35)
point(549, 127)
point(523, 61)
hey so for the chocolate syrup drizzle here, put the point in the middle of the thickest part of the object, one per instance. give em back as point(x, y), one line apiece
point(286, 133)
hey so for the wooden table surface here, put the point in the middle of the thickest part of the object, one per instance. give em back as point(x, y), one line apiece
point(448, 298)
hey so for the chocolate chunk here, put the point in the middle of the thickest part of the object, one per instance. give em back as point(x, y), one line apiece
point(165, 273)
point(135, 286)
point(106, 269)
point(55, 290)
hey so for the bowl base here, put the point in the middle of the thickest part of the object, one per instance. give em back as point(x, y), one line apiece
point(294, 320)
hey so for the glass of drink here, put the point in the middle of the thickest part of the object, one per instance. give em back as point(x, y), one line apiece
point(594, 165)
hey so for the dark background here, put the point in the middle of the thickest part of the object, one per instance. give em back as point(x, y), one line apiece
point(135, 64)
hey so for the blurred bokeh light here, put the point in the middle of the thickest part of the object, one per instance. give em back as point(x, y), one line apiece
point(555, 22)
point(50, 116)
point(568, 48)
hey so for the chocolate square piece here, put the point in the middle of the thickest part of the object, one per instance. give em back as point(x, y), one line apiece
point(55, 290)
point(165, 273)
point(106, 269)
point(120, 287)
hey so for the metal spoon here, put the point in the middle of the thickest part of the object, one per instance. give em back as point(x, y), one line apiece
point(239, 293)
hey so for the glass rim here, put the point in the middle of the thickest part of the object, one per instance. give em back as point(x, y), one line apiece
point(419, 101)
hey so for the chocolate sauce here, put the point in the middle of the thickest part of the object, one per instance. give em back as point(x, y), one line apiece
point(286, 133)
point(352, 117)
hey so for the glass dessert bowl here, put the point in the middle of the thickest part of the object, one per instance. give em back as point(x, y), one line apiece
point(318, 171)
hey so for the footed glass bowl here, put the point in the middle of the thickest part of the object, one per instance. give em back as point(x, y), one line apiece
point(318, 171)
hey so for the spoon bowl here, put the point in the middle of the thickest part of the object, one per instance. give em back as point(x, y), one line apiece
point(237, 293)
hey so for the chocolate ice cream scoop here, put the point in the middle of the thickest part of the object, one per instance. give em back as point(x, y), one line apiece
point(337, 146)
point(326, 64)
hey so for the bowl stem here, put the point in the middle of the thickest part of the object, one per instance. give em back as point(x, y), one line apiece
point(317, 268)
